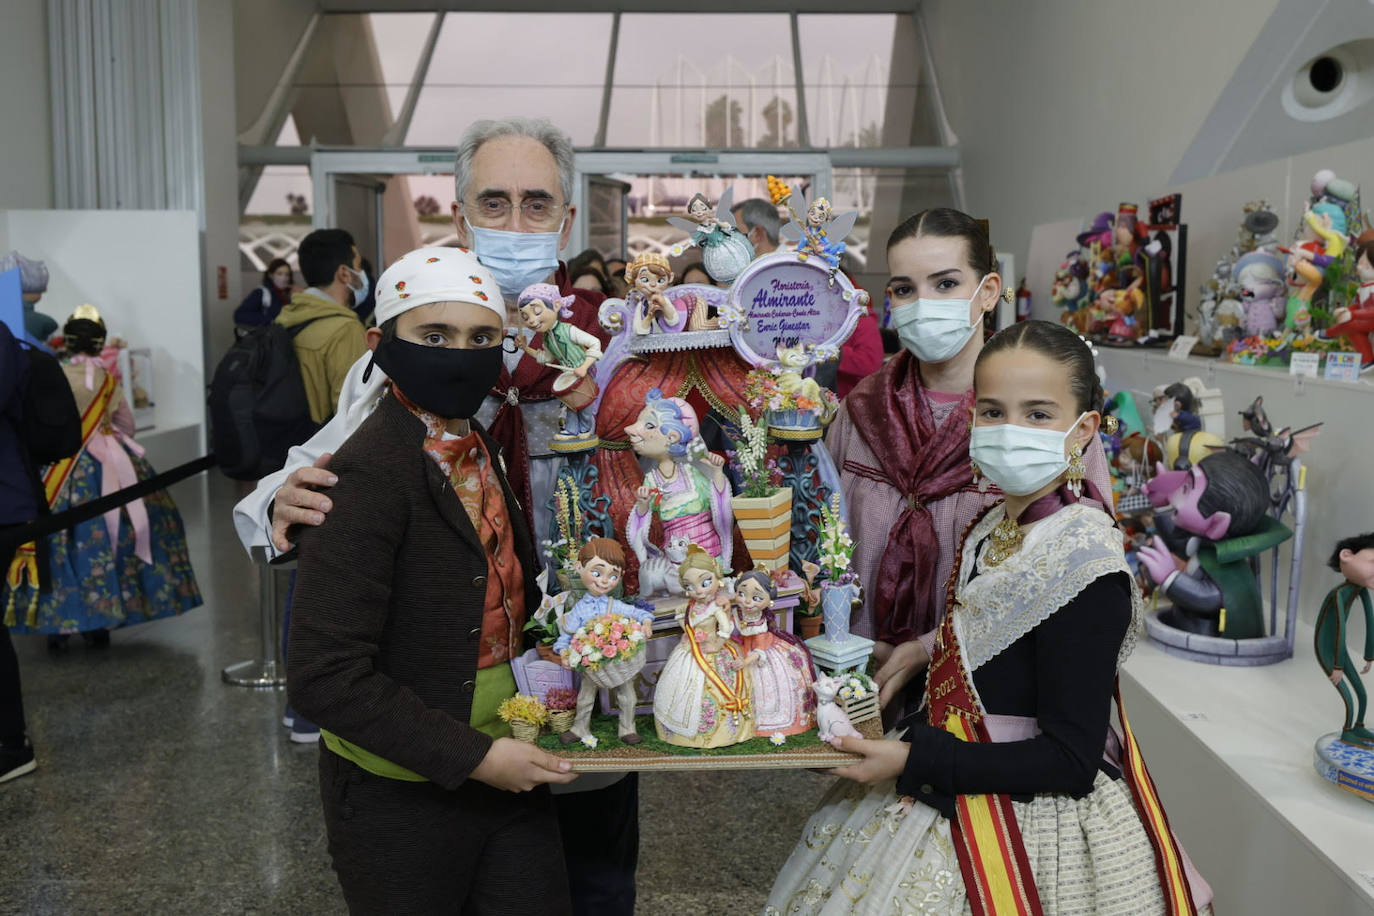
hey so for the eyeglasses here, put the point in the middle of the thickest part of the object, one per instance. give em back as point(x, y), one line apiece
point(539, 212)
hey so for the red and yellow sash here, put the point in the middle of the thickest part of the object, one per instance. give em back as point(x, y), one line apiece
point(987, 839)
point(25, 563)
point(992, 856)
point(735, 700)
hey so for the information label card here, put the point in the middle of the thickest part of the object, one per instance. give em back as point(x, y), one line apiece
point(1182, 346)
point(1343, 367)
point(1305, 364)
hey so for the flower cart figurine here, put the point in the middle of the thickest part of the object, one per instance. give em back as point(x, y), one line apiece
point(779, 667)
point(762, 509)
point(858, 697)
point(567, 348)
point(691, 499)
point(725, 251)
point(525, 714)
point(838, 649)
point(702, 697)
point(539, 671)
point(603, 639)
point(1347, 757)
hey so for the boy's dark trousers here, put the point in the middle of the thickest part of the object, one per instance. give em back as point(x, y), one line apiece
point(410, 848)
point(600, 831)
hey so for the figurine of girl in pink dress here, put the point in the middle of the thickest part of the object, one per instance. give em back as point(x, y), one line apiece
point(779, 667)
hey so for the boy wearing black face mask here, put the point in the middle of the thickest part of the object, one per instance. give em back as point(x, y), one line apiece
point(410, 602)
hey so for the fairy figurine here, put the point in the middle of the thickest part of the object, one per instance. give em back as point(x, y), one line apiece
point(779, 667)
point(702, 696)
point(725, 251)
point(691, 499)
point(821, 234)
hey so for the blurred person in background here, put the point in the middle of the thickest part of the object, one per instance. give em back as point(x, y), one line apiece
point(264, 304)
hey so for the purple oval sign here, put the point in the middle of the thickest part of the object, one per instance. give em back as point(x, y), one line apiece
point(782, 301)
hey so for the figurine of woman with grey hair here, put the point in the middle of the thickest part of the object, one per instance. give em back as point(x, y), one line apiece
point(567, 348)
point(725, 251)
point(691, 501)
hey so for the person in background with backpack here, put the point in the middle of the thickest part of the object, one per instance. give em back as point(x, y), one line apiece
point(333, 341)
point(128, 566)
point(38, 424)
point(264, 304)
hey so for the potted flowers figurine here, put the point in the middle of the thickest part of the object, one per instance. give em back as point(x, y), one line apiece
point(762, 510)
point(525, 714)
point(809, 610)
point(562, 705)
point(838, 590)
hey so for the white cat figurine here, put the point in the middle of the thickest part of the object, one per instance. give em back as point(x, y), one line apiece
point(658, 574)
point(831, 721)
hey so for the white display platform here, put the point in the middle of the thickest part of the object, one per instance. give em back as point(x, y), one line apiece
point(1231, 752)
point(1340, 488)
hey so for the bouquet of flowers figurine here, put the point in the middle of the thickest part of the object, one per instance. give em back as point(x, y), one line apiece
point(758, 472)
point(562, 705)
point(525, 714)
point(607, 650)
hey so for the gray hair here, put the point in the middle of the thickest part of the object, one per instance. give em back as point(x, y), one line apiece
point(540, 129)
point(33, 275)
point(758, 212)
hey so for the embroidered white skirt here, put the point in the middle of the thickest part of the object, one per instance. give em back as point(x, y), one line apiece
point(858, 858)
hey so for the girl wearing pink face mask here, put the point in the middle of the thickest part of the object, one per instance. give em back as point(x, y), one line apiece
point(261, 305)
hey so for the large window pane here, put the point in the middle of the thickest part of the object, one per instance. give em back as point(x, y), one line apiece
point(552, 65)
point(355, 78)
point(862, 76)
point(703, 80)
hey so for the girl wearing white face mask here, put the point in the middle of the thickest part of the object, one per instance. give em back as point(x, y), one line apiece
point(1015, 738)
point(901, 438)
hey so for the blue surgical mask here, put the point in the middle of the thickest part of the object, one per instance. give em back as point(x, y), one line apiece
point(360, 291)
point(516, 259)
point(935, 330)
point(1020, 459)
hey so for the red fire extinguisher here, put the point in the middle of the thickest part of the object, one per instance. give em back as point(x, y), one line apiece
point(1023, 301)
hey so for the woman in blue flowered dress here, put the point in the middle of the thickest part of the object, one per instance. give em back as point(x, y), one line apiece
point(128, 566)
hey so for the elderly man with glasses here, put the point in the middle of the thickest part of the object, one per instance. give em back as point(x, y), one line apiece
point(513, 181)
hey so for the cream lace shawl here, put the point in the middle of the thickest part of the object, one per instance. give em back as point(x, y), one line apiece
point(1061, 556)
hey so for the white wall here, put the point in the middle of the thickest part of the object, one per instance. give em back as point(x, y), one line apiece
point(26, 167)
point(1064, 108)
point(140, 268)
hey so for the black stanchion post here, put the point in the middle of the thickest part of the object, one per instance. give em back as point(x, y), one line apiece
point(267, 670)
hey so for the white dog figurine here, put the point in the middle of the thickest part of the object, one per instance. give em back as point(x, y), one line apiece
point(831, 721)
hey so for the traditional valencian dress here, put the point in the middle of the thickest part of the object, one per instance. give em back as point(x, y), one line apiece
point(701, 699)
point(780, 681)
point(1024, 801)
point(125, 567)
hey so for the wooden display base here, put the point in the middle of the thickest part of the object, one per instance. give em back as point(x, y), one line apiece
point(800, 752)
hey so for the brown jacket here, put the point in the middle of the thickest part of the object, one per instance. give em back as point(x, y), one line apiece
point(387, 617)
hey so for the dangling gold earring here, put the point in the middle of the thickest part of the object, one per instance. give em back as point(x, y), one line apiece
point(978, 477)
point(1077, 471)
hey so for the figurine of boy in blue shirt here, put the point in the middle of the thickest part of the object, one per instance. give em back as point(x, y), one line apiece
point(600, 564)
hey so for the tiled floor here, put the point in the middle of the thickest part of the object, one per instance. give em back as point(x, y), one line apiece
point(162, 790)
